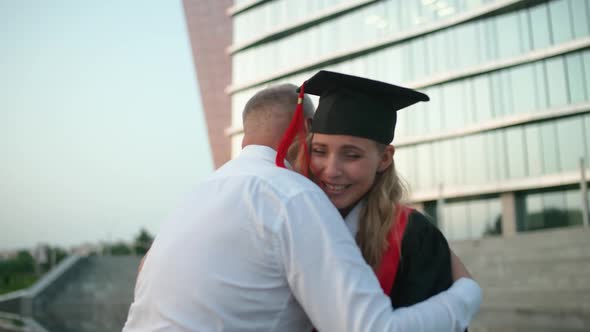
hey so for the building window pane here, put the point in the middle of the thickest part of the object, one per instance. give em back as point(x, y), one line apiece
point(571, 142)
point(586, 63)
point(533, 147)
point(455, 221)
point(560, 21)
point(557, 84)
point(482, 93)
point(540, 26)
point(453, 105)
point(475, 148)
point(540, 86)
point(533, 213)
point(516, 154)
point(573, 207)
point(425, 166)
point(550, 151)
point(523, 85)
point(579, 10)
point(575, 77)
point(509, 43)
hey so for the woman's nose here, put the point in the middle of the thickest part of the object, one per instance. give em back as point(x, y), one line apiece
point(332, 168)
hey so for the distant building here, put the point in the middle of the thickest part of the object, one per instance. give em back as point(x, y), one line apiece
point(210, 32)
point(498, 147)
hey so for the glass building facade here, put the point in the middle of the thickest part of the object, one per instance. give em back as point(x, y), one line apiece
point(497, 150)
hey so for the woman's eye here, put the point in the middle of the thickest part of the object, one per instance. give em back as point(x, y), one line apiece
point(317, 151)
point(352, 156)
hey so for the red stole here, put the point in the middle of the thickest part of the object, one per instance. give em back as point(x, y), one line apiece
point(389, 263)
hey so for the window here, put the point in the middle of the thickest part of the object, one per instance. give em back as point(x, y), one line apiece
point(533, 149)
point(549, 146)
point(579, 10)
point(522, 80)
point(539, 19)
point(557, 84)
point(560, 21)
point(516, 152)
point(575, 78)
point(570, 142)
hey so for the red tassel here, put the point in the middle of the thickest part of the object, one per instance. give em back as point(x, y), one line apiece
point(296, 129)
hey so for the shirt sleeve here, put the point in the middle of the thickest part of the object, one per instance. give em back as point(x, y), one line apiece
point(425, 265)
point(339, 291)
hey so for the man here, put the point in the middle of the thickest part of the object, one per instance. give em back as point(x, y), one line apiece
point(257, 247)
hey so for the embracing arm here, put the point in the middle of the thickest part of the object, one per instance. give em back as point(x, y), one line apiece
point(339, 291)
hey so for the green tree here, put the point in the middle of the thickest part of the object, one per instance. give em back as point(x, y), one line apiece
point(142, 242)
point(120, 249)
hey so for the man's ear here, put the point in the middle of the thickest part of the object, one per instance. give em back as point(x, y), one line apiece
point(386, 158)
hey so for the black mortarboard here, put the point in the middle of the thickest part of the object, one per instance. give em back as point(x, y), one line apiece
point(356, 106)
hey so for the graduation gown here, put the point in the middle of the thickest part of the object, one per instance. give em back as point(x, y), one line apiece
point(424, 268)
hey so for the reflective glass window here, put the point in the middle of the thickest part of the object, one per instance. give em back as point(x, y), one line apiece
point(573, 207)
point(579, 10)
point(560, 21)
point(483, 98)
point(516, 152)
point(467, 45)
point(586, 64)
point(533, 149)
point(570, 142)
point(447, 163)
point(587, 140)
point(522, 80)
point(557, 85)
point(575, 78)
point(542, 99)
point(454, 111)
point(525, 31)
point(539, 20)
point(425, 167)
point(550, 150)
point(475, 159)
point(507, 29)
point(498, 91)
point(533, 213)
point(435, 110)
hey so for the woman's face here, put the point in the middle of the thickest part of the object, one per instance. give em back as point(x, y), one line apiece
point(345, 166)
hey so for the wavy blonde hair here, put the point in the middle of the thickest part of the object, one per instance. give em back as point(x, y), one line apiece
point(376, 218)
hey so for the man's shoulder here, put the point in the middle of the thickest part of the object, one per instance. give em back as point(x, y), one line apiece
point(283, 181)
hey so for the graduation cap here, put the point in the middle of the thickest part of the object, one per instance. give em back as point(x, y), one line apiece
point(349, 105)
point(356, 106)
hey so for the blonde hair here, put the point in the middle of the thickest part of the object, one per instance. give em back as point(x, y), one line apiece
point(378, 215)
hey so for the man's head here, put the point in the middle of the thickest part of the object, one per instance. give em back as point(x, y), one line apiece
point(268, 113)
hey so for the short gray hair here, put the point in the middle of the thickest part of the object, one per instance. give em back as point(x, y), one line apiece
point(283, 95)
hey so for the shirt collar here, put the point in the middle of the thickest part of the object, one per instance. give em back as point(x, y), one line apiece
point(352, 219)
point(262, 152)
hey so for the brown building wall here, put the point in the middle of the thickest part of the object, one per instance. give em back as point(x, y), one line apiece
point(210, 32)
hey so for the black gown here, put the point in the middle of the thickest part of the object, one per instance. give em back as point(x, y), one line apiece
point(425, 266)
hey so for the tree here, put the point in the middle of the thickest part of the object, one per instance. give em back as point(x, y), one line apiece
point(142, 242)
point(120, 249)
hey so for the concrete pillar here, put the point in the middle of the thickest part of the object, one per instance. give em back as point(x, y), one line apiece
point(508, 214)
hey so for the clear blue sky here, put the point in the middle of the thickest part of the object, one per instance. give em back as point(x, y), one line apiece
point(101, 125)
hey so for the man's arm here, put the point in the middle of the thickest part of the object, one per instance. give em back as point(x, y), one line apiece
point(340, 292)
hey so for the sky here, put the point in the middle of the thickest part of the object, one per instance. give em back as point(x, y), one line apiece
point(101, 125)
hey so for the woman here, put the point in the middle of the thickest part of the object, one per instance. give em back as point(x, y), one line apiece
point(352, 161)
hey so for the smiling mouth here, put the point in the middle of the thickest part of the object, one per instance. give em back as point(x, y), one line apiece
point(334, 188)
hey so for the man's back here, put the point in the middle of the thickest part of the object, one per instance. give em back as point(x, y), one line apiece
point(228, 262)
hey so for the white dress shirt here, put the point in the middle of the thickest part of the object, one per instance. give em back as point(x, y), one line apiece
point(261, 248)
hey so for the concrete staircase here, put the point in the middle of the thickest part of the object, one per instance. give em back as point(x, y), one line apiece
point(537, 281)
point(93, 297)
